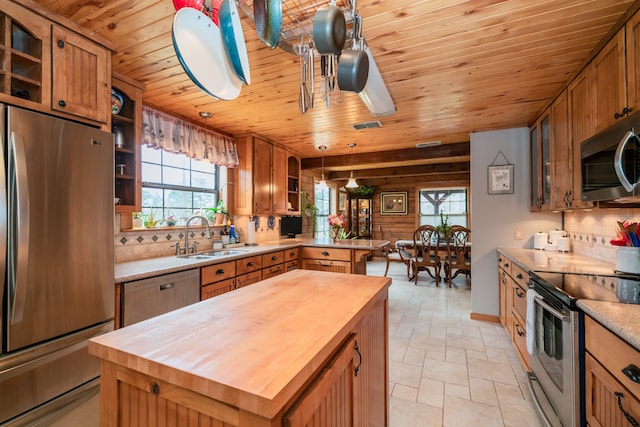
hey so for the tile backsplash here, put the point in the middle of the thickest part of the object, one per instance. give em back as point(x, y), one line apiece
point(591, 230)
point(152, 243)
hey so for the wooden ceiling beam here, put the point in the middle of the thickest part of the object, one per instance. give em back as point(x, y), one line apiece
point(395, 172)
point(389, 156)
point(426, 181)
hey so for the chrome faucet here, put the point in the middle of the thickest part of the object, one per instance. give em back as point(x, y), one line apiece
point(186, 234)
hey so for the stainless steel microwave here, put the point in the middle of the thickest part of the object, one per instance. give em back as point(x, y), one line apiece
point(610, 163)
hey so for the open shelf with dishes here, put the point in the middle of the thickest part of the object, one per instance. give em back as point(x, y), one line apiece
point(126, 126)
point(293, 184)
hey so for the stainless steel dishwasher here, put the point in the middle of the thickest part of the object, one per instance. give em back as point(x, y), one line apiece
point(146, 298)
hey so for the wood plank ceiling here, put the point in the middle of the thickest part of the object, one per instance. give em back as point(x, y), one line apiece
point(452, 67)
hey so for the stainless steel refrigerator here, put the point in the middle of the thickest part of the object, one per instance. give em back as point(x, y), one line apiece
point(56, 235)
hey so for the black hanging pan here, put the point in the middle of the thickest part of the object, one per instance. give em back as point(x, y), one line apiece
point(353, 65)
point(329, 29)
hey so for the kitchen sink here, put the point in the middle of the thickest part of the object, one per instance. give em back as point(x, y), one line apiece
point(213, 254)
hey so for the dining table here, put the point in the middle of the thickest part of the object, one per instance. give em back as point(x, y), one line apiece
point(403, 245)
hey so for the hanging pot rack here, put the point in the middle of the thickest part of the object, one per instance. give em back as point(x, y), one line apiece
point(297, 20)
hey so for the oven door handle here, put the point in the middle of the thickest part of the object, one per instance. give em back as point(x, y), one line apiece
point(556, 313)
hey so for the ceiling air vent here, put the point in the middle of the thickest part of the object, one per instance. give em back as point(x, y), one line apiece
point(428, 144)
point(367, 125)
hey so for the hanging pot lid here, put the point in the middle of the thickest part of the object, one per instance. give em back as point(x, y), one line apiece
point(198, 45)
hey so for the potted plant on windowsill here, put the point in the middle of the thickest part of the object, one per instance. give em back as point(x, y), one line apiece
point(217, 214)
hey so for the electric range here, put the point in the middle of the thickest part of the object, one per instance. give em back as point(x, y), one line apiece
point(570, 287)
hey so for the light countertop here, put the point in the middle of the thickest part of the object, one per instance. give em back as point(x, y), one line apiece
point(622, 319)
point(140, 269)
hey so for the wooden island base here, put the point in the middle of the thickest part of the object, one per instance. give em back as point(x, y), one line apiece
point(302, 346)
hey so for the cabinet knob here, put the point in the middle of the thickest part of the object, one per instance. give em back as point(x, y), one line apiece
point(60, 43)
point(62, 103)
point(325, 253)
point(250, 264)
point(274, 258)
point(220, 271)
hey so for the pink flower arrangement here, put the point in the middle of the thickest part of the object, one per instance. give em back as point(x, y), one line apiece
point(336, 221)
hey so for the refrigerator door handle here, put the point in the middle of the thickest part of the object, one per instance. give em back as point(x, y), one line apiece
point(18, 217)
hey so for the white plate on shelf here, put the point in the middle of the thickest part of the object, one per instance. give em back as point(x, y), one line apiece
point(198, 45)
point(233, 40)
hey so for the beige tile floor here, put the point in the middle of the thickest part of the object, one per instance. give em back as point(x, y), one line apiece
point(444, 368)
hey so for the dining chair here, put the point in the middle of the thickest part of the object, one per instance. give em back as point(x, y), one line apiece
point(426, 241)
point(458, 255)
point(392, 254)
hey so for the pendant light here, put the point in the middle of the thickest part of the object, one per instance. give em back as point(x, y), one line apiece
point(352, 181)
point(322, 183)
point(205, 115)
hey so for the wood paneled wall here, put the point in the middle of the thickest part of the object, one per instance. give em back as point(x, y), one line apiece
point(395, 227)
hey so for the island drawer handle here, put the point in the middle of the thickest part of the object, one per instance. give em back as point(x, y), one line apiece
point(155, 389)
point(166, 286)
point(250, 264)
point(360, 358)
point(274, 258)
point(325, 253)
point(627, 415)
point(220, 271)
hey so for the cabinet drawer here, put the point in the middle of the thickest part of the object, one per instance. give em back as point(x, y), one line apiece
point(215, 289)
point(504, 263)
point(519, 338)
point(612, 352)
point(292, 254)
point(519, 299)
point(291, 265)
point(326, 253)
point(328, 265)
point(272, 271)
point(249, 264)
point(520, 275)
point(248, 279)
point(272, 258)
point(217, 272)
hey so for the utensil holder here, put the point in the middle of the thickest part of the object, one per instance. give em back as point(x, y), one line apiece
point(628, 260)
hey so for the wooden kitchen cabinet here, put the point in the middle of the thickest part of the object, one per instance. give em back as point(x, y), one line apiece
point(217, 279)
point(632, 51)
point(326, 259)
point(562, 166)
point(540, 150)
point(512, 285)
point(48, 67)
point(608, 84)
point(262, 177)
point(81, 75)
point(128, 185)
point(606, 385)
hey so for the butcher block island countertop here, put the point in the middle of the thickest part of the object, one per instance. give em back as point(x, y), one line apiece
point(258, 356)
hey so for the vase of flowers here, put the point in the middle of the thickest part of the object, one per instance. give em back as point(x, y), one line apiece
point(336, 232)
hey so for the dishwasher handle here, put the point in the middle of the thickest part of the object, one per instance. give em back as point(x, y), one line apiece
point(166, 286)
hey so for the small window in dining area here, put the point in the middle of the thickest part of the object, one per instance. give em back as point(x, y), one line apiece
point(450, 202)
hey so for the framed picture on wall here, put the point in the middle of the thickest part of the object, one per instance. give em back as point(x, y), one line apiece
point(500, 179)
point(393, 203)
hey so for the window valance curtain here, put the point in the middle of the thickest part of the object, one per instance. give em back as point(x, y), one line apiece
point(161, 130)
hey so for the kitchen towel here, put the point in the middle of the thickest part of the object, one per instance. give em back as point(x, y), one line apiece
point(531, 320)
